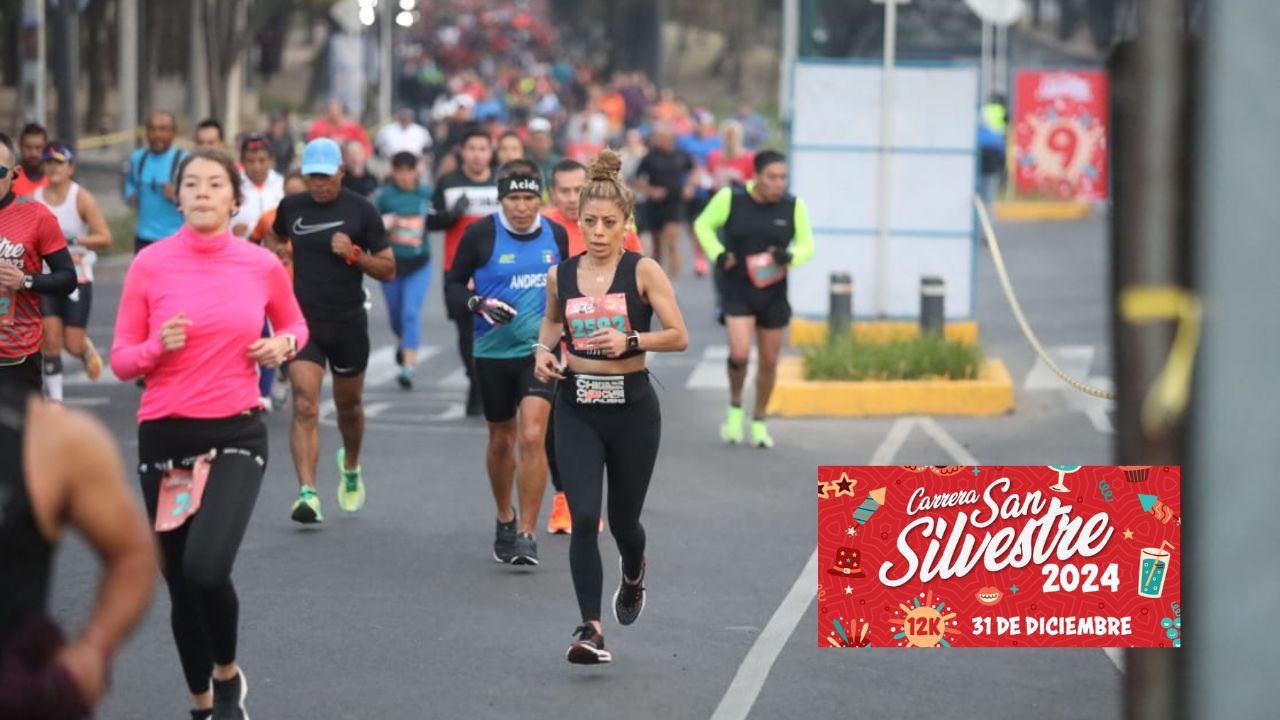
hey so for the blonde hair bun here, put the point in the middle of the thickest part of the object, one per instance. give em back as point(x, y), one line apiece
point(605, 167)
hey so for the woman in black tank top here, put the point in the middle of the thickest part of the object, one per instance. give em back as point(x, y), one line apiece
point(606, 415)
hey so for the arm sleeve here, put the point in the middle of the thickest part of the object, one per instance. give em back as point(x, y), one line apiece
point(375, 231)
point(282, 307)
point(61, 278)
point(280, 226)
point(713, 217)
point(465, 263)
point(131, 179)
point(438, 218)
point(133, 353)
point(802, 247)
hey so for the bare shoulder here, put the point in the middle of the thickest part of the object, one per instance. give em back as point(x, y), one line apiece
point(61, 446)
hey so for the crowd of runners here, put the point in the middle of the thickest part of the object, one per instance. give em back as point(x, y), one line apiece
point(248, 286)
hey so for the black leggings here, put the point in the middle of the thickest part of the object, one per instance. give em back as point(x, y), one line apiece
point(466, 338)
point(197, 558)
point(590, 439)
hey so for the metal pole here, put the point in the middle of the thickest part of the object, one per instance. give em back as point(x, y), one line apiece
point(985, 63)
point(235, 77)
point(34, 71)
point(1230, 670)
point(66, 69)
point(127, 40)
point(198, 56)
point(1001, 80)
point(385, 80)
point(841, 314)
point(885, 190)
point(790, 45)
point(933, 292)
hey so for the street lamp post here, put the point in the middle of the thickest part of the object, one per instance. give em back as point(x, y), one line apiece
point(885, 190)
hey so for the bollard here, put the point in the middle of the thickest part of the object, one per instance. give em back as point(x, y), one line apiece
point(933, 291)
point(841, 314)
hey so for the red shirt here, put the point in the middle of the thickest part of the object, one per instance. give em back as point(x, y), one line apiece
point(577, 245)
point(28, 233)
point(341, 134)
point(24, 186)
point(725, 171)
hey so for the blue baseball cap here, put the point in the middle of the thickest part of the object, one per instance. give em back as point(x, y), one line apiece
point(321, 157)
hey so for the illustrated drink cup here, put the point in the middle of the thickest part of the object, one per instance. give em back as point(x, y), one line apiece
point(1063, 471)
point(1153, 564)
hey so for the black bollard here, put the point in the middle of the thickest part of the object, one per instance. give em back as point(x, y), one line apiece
point(933, 291)
point(841, 314)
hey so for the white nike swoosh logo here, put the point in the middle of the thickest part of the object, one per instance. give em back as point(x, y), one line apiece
point(300, 229)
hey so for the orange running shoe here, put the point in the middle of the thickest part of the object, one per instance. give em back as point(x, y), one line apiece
point(560, 522)
point(92, 360)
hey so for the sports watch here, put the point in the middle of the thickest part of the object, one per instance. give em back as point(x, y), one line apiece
point(633, 340)
point(28, 281)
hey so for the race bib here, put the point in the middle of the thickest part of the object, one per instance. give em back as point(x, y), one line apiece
point(7, 310)
point(599, 389)
point(586, 315)
point(764, 270)
point(407, 231)
point(181, 491)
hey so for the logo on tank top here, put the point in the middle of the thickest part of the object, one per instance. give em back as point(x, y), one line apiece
point(507, 259)
point(12, 253)
point(548, 257)
point(528, 280)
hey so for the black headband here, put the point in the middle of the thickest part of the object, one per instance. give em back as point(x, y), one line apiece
point(519, 183)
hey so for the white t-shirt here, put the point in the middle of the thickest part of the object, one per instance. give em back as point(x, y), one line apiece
point(395, 138)
point(257, 201)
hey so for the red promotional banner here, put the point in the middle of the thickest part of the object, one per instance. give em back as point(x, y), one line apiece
point(1060, 134)
point(999, 556)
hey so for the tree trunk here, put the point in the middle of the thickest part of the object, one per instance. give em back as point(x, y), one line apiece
point(95, 27)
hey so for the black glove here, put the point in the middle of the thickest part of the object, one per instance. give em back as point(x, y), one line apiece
point(782, 256)
point(491, 309)
point(722, 261)
point(460, 207)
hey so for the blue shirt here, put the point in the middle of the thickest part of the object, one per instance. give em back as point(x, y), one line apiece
point(408, 234)
point(516, 274)
point(158, 216)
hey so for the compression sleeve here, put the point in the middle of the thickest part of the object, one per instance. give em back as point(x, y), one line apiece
point(61, 278)
point(713, 217)
point(473, 252)
point(802, 247)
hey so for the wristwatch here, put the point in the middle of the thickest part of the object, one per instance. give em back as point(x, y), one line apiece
point(633, 340)
point(28, 281)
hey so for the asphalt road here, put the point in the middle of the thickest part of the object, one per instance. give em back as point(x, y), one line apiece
point(399, 610)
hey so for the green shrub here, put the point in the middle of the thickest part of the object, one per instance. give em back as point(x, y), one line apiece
point(906, 359)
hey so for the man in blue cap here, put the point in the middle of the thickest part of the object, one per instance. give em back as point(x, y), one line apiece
point(338, 237)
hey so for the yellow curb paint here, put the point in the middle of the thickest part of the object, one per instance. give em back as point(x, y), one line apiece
point(793, 396)
point(1032, 210)
point(814, 332)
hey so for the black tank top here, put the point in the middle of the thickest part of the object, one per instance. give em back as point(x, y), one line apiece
point(621, 306)
point(25, 554)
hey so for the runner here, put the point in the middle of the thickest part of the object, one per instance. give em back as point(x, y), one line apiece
point(461, 198)
point(338, 238)
point(504, 257)
point(29, 239)
point(60, 469)
point(86, 230)
point(190, 322)
point(149, 185)
point(607, 414)
point(209, 134)
point(766, 230)
point(510, 147)
point(294, 184)
point(567, 180)
point(355, 171)
point(666, 177)
point(404, 203)
point(31, 143)
point(731, 164)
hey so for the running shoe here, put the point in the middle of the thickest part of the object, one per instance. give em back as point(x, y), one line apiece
point(760, 436)
point(526, 550)
point(399, 356)
point(731, 430)
point(588, 647)
point(560, 522)
point(351, 486)
point(504, 541)
point(201, 714)
point(405, 378)
point(92, 360)
point(228, 698)
point(306, 509)
point(628, 600)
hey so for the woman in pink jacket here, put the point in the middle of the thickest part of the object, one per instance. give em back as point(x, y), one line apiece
point(190, 323)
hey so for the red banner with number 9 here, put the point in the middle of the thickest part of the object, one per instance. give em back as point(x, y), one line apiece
point(1059, 135)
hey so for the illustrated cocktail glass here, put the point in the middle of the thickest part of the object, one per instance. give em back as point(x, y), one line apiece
point(1063, 471)
point(1154, 565)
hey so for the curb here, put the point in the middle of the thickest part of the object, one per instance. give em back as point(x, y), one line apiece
point(814, 332)
point(1038, 210)
point(793, 396)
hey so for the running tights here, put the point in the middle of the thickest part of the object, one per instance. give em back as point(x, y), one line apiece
point(197, 557)
point(590, 439)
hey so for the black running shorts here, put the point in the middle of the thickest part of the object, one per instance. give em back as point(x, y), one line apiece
point(344, 345)
point(505, 382)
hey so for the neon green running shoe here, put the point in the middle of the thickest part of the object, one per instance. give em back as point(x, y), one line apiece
point(731, 430)
point(306, 509)
point(350, 487)
point(760, 435)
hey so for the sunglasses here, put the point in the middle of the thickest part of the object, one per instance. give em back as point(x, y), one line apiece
point(4, 172)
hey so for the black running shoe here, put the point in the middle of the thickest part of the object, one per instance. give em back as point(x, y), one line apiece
point(228, 698)
point(526, 550)
point(628, 601)
point(504, 541)
point(588, 648)
point(201, 714)
point(399, 356)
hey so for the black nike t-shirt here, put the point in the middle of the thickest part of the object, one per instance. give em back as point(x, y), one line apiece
point(328, 289)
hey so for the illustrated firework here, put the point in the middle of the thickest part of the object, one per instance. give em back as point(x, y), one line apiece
point(873, 501)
